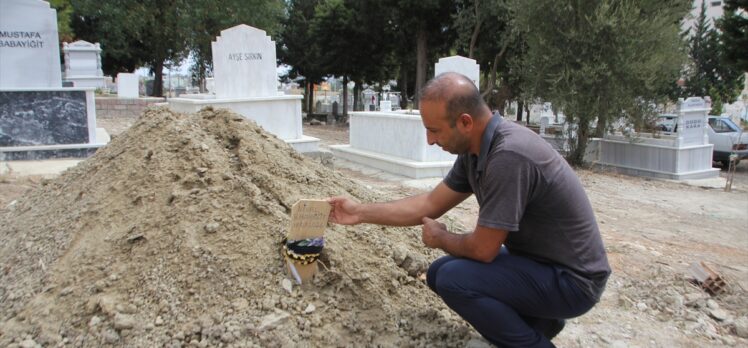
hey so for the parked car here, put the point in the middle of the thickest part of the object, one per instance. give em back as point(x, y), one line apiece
point(723, 133)
point(727, 138)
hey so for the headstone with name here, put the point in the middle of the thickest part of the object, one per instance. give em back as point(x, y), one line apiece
point(245, 77)
point(692, 121)
point(459, 64)
point(83, 64)
point(128, 85)
point(29, 50)
point(244, 63)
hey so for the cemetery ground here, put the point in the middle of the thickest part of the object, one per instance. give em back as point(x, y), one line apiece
point(653, 231)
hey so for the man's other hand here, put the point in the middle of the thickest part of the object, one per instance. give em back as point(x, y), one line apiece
point(432, 232)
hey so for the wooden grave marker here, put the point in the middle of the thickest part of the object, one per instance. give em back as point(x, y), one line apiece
point(308, 220)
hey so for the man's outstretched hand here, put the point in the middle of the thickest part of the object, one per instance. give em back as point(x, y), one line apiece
point(344, 211)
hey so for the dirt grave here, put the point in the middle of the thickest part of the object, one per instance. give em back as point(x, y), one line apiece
point(169, 236)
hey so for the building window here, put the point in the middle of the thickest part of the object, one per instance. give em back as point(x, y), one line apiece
point(716, 3)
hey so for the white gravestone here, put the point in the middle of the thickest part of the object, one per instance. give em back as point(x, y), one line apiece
point(692, 121)
point(244, 63)
point(83, 64)
point(245, 81)
point(459, 64)
point(128, 85)
point(29, 50)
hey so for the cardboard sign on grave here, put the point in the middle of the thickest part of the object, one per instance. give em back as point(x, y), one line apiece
point(308, 220)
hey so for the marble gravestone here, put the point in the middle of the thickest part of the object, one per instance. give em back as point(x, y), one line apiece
point(83, 64)
point(20, 127)
point(29, 51)
point(244, 63)
point(459, 64)
point(128, 85)
point(687, 154)
point(39, 118)
point(246, 82)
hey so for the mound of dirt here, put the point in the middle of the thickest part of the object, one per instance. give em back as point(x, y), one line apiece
point(169, 236)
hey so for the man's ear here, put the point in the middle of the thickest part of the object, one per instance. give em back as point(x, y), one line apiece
point(465, 121)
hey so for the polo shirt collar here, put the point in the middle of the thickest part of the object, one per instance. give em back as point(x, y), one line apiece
point(485, 144)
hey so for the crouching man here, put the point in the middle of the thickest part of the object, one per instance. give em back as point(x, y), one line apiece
point(536, 256)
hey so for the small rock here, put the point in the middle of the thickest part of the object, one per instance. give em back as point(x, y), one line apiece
point(110, 336)
point(692, 297)
point(95, 320)
point(399, 255)
point(212, 227)
point(309, 309)
point(28, 343)
point(240, 304)
point(273, 320)
point(741, 327)
point(123, 321)
point(66, 291)
point(728, 341)
point(159, 321)
point(227, 337)
point(719, 314)
point(204, 147)
point(712, 304)
point(287, 285)
point(128, 308)
point(641, 306)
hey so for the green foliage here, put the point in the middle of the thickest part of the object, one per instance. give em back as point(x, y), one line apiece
point(596, 59)
point(64, 12)
point(486, 33)
point(423, 27)
point(734, 26)
point(709, 73)
point(354, 38)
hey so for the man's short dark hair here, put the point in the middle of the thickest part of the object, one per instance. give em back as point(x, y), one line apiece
point(459, 94)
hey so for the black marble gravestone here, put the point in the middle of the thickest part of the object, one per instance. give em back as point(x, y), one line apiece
point(34, 118)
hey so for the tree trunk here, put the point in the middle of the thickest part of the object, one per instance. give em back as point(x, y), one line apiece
point(496, 59)
point(421, 54)
point(602, 123)
point(345, 96)
point(520, 105)
point(476, 30)
point(158, 79)
point(404, 89)
point(356, 93)
point(579, 146)
point(310, 101)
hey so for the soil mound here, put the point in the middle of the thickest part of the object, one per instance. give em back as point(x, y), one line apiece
point(169, 236)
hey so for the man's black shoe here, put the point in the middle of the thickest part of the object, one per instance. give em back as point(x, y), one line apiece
point(553, 328)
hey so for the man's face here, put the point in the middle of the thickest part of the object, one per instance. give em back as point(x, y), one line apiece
point(438, 130)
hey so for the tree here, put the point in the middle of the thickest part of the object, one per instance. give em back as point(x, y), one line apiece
point(353, 36)
point(485, 32)
point(709, 73)
point(131, 33)
point(64, 12)
point(425, 25)
point(734, 26)
point(595, 59)
point(298, 48)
